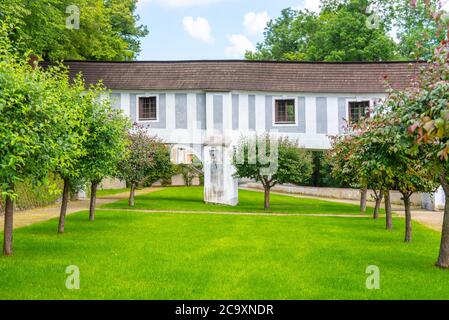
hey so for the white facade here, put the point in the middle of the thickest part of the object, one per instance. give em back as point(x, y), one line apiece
point(194, 134)
point(209, 124)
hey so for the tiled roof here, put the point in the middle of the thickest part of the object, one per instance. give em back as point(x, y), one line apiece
point(227, 75)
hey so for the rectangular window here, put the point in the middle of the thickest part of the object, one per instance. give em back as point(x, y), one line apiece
point(358, 110)
point(284, 111)
point(147, 109)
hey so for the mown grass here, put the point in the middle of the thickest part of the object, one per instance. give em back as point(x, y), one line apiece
point(135, 255)
point(191, 199)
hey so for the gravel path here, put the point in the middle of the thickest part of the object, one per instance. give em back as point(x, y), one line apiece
point(27, 217)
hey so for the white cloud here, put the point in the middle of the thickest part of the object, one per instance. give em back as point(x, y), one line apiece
point(311, 5)
point(239, 45)
point(179, 3)
point(255, 23)
point(198, 28)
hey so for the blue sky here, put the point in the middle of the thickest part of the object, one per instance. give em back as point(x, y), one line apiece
point(207, 29)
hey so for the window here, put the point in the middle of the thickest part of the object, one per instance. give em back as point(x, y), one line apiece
point(284, 111)
point(147, 109)
point(358, 110)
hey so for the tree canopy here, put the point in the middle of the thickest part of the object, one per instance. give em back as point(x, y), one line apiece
point(271, 161)
point(353, 30)
point(147, 160)
point(108, 29)
point(35, 123)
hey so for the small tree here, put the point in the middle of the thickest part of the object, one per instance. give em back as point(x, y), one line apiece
point(343, 168)
point(31, 125)
point(424, 107)
point(106, 144)
point(393, 157)
point(381, 157)
point(147, 159)
point(68, 167)
point(272, 161)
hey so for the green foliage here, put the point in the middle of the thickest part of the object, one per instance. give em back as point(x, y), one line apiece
point(31, 196)
point(336, 34)
point(343, 169)
point(147, 159)
point(340, 32)
point(376, 154)
point(294, 165)
point(322, 172)
point(53, 123)
point(190, 171)
point(386, 161)
point(75, 102)
point(106, 144)
point(33, 131)
point(162, 168)
point(287, 37)
point(424, 107)
point(418, 32)
point(108, 29)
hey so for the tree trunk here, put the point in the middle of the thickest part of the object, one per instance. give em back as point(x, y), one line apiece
point(267, 198)
point(379, 197)
point(443, 258)
point(93, 200)
point(388, 211)
point(8, 227)
point(408, 219)
point(131, 195)
point(363, 196)
point(65, 201)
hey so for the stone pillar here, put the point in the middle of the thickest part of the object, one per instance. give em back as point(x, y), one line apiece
point(220, 187)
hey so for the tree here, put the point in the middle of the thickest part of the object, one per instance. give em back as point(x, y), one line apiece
point(148, 159)
point(374, 153)
point(287, 37)
point(31, 124)
point(74, 101)
point(106, 143)
point(418, 32)
point(337, 33)
point(272, 161)
point(108, 29)
point(388, 163)
point(343, 169)
point(424, 108)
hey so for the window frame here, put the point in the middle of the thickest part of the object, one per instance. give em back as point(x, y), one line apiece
point(368, 114)
point(138, 97)
point(284, 124)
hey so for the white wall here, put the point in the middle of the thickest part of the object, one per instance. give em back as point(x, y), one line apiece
point(310, 139)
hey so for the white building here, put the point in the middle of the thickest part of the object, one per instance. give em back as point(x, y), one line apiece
point(203, 107)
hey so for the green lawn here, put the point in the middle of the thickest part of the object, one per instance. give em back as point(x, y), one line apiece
point(135, 255)
point(191, 199)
